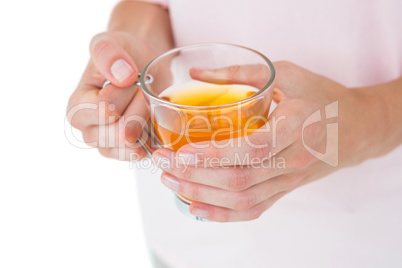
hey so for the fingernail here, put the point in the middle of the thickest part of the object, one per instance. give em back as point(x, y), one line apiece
point(171, 182)
point(195, 72)
point(200, 212)
point(130, 133)
point(121, 70)
point(161, 162)
point(188, 159)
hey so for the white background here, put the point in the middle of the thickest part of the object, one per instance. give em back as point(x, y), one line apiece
point(60, 206)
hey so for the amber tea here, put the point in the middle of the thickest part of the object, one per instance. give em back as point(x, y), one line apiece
point(184, 126)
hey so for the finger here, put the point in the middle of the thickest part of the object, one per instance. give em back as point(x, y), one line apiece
point(220, 214)
point(105, 139)
point(133, 121)
point(231, 178)
point(257, 147)
point(125, 131)
point(278, 95)
point(90, 105)
point(241, 200)
point(256, 75)
point(289, 78)
point(112, 59)
point(124, 153)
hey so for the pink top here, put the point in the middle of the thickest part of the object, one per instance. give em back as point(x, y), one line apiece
point(352, 218)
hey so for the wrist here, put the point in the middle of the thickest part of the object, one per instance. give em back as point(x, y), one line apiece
point(391, 96)
point(146, 22)
point(382, 121)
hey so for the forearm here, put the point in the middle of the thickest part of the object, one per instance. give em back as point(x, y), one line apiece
point(148, 23)
point(383, 107)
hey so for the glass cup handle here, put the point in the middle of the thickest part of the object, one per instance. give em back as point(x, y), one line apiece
point(149, 80)
point(151, 143)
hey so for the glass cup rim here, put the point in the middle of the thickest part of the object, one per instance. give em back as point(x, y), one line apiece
point(190, 107)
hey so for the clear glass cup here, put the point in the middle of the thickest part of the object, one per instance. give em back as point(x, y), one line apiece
point(176, 124)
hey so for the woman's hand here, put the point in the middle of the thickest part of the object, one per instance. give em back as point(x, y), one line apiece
point(111, 119)
point(113, 57)
point(317, 127)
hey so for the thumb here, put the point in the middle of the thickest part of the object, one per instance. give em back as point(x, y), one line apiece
point(112, 60)
point(256, 75)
